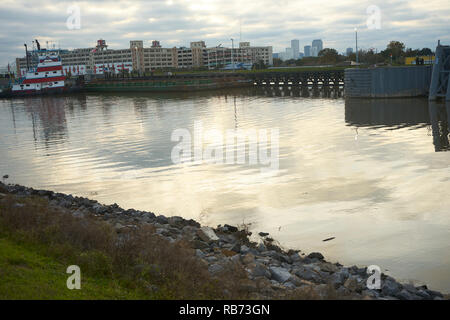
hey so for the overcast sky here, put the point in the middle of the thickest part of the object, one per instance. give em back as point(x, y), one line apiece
point(262, 22)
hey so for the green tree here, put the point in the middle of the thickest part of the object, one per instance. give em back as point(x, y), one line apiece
point(259, 65)
point(394, 49)
point(328, 55)
point(425, 52)
point(277, 62)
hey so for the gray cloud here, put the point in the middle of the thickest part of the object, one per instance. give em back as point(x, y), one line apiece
point(263, 22)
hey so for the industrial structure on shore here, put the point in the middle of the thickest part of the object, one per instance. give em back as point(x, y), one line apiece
point(142, 59)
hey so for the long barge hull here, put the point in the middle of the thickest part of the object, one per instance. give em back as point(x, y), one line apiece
point(138, 85)
point(165, 85)
point(44, 92)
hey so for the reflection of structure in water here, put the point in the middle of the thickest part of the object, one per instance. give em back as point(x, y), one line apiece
point(296, 91)
point(51, 112)
point(395, 113)
point(440, 121)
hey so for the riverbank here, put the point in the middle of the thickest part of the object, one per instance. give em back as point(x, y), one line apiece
point(173, 258)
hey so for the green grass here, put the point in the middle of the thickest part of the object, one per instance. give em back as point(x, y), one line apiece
point(38, 243)
point(27, 273)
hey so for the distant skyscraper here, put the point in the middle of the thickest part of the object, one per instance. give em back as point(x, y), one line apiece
point(314, 51)
point(295, 45)
point(317, 44)
point(349, 51)
point(289, 53)
point(307, 51)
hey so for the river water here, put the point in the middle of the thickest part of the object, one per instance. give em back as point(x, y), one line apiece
point(374, 174)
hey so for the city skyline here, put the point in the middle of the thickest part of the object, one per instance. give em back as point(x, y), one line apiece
point(178, 22)
point(293, 52)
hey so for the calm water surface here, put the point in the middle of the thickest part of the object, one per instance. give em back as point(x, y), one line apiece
point(367, 172)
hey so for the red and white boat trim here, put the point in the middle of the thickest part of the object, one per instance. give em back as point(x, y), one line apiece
point(48, 76)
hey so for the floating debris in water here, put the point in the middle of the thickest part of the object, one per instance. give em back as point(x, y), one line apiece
point(328, 239)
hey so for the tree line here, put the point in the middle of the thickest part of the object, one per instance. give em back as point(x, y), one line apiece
point(395, 53)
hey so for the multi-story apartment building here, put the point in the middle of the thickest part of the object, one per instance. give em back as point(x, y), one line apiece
point(143, 59)
point(219, 57)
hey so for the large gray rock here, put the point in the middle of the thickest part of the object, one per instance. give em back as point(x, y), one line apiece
point(211, 259)
point(434, 293)
point(307, 273)
point(279, 274)
point(199, 253)
point(296, 280)
point(248, 258)
point(371, 293)
point(176, 221)
point(406, 295)
point(99, 209)
point(198, 244)
point(215, 269)
point(328, 267)
point(148, 215)
point(162, 219)
point(207, 234)
point(390, 287)
point(244, 249)
point(338, 278)
point(236, 247)
point(261, 247)
point(290, 285)
point(315, 255)
point(353, 284)
point(295, 257)
point(423, 294)
point(260, 270)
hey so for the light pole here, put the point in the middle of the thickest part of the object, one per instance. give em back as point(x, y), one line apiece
point(232, 49)
point(356, 37)
point(217, 53)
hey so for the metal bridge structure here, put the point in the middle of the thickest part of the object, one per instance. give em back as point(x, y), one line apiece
point(440, 78)
point(322, 79)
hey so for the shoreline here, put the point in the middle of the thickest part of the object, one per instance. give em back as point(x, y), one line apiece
point(270, 269)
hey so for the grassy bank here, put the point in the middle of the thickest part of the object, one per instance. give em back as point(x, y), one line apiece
point(27, 272)
point(39, 242)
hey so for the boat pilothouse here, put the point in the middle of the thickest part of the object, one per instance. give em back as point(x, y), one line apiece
point(47, 77)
